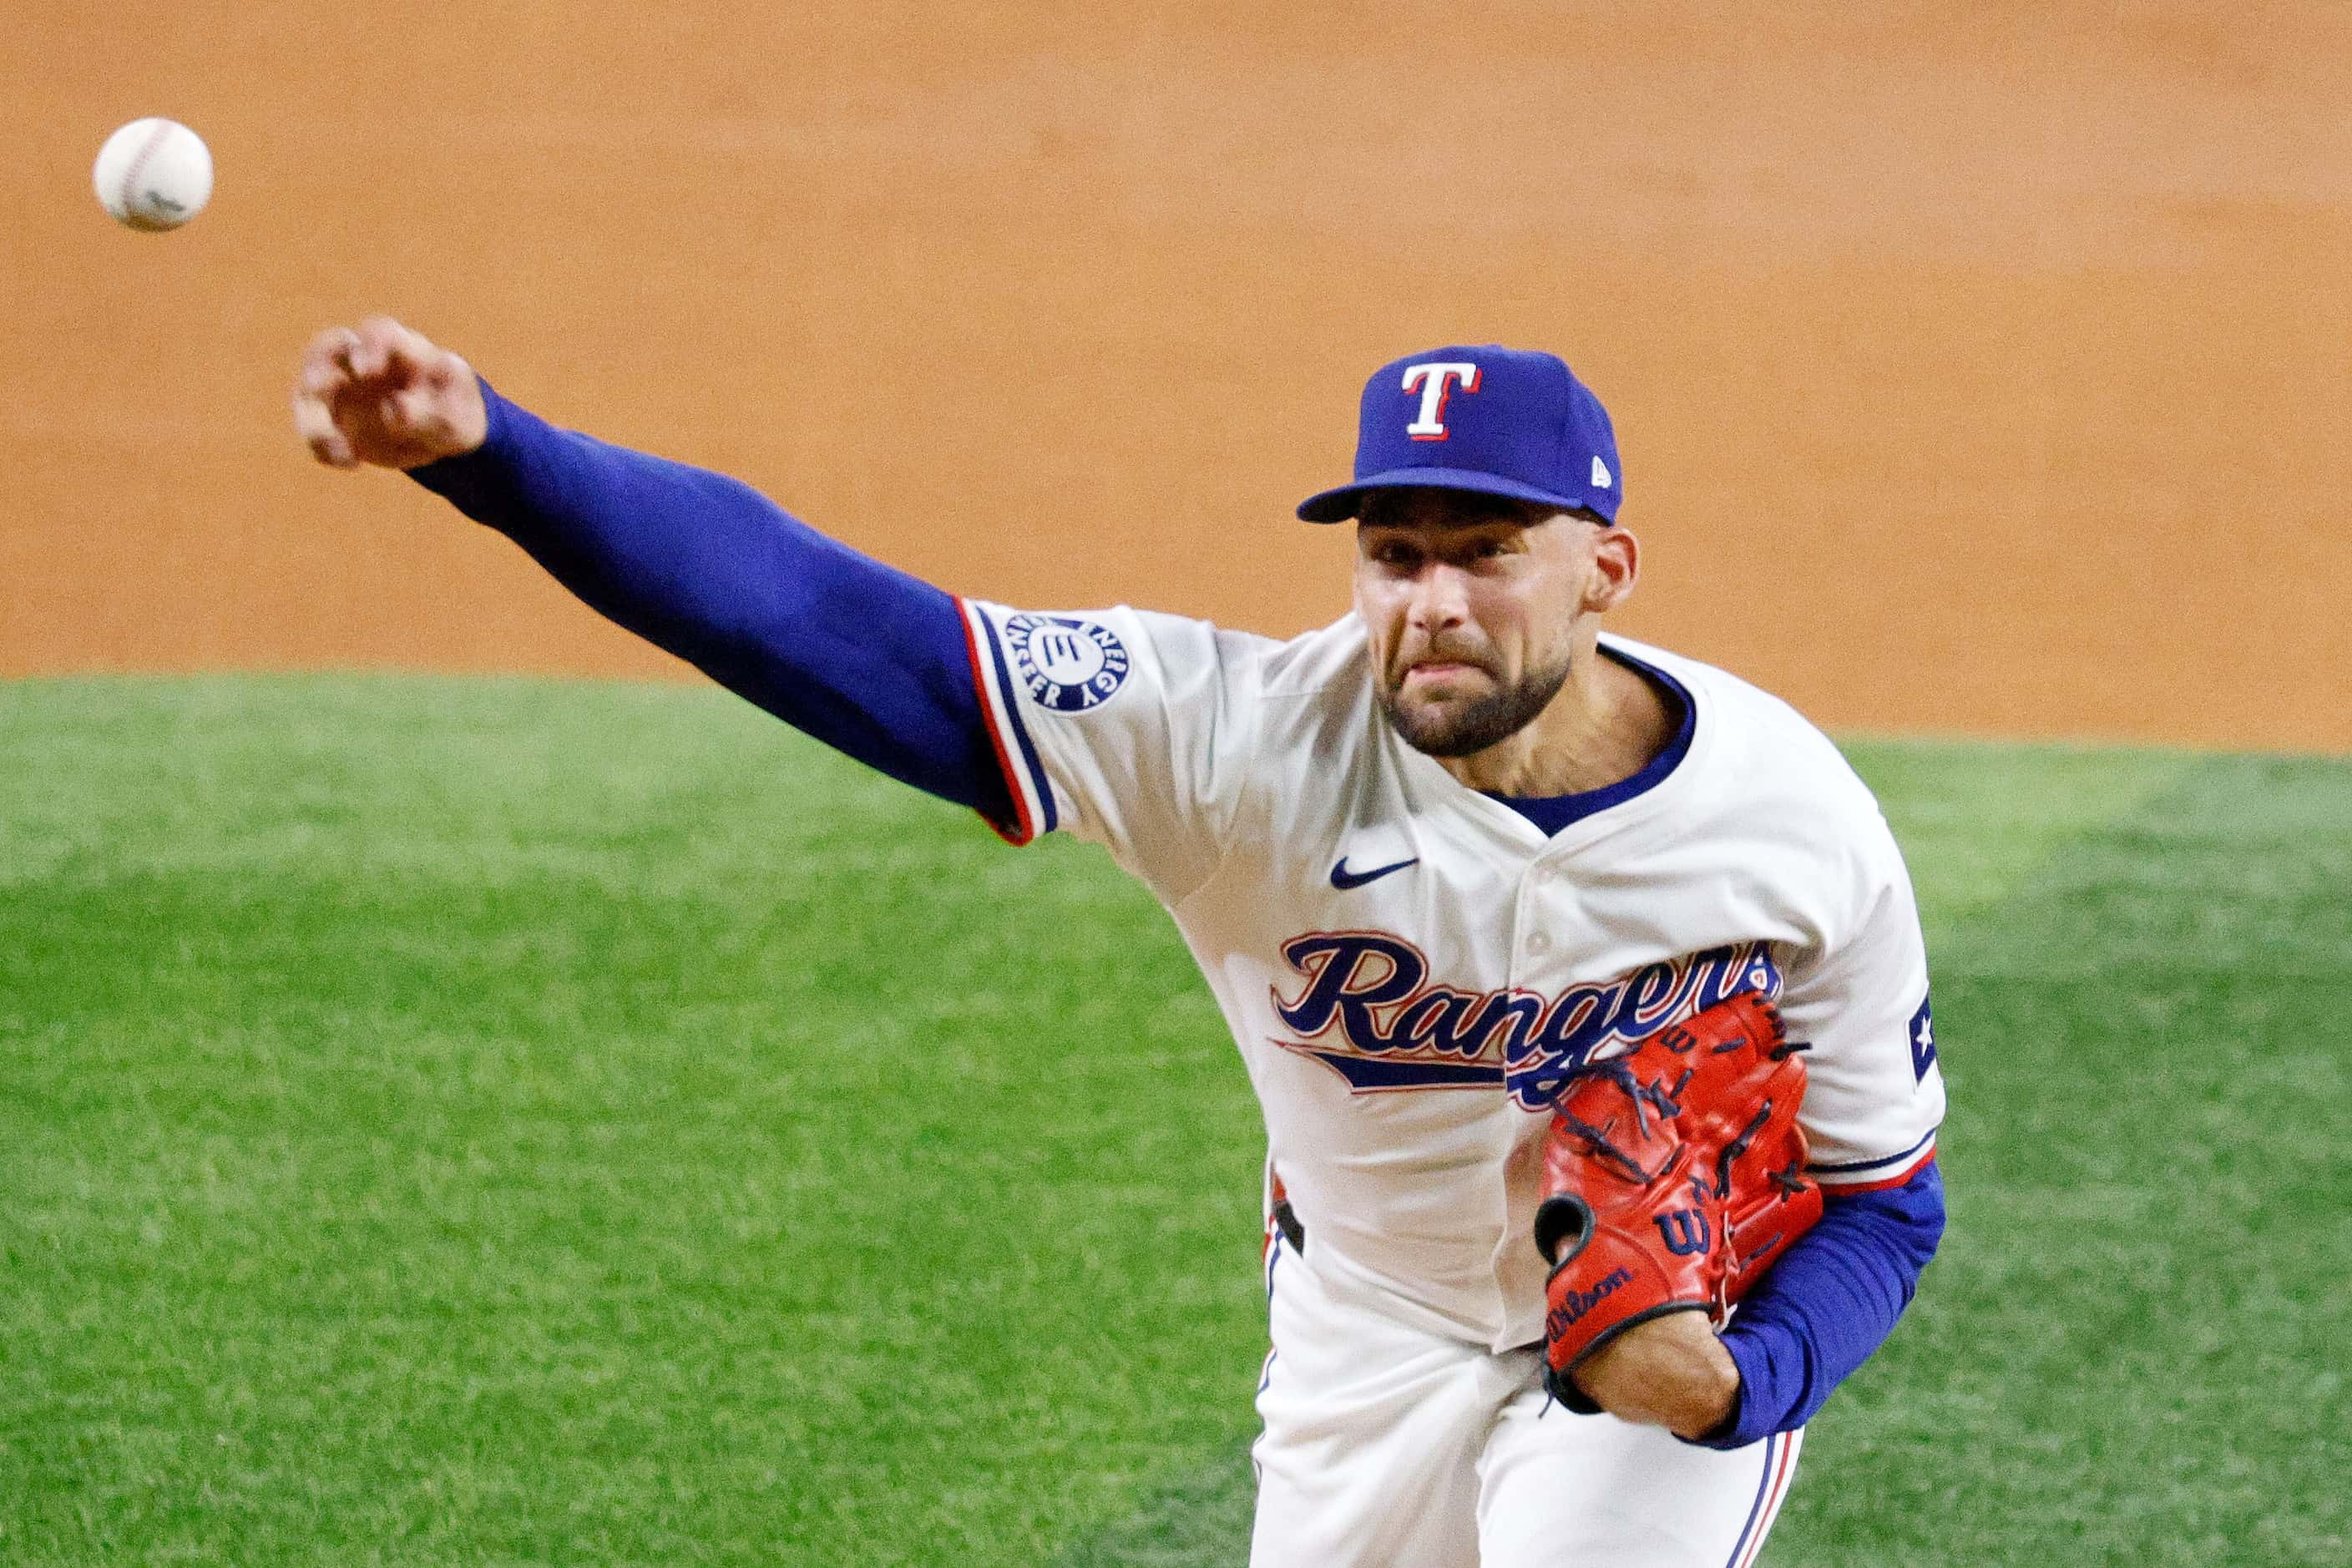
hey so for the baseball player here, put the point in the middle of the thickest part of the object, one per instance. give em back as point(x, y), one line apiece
point(1452, 866)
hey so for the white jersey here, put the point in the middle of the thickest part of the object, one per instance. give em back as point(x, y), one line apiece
point(1409, 966)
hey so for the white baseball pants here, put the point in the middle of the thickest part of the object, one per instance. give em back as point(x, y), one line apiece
point(1390, 1446)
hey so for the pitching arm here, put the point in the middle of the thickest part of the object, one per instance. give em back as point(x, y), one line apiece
point(868, 659)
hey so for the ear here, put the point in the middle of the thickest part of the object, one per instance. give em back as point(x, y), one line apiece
point(1616, 564)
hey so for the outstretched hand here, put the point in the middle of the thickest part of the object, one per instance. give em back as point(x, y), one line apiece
point(382, 394)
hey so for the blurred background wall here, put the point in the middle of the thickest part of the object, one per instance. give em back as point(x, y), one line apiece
point(1978, 368)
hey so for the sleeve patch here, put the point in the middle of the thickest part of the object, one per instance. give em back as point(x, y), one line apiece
point(1066, 664)
point(1923, 1040)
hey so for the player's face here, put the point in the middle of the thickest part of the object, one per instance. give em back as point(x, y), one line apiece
point(1472, 602)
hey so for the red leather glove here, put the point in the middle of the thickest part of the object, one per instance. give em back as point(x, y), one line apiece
point(1674, 1177)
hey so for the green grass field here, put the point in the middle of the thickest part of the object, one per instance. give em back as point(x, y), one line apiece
point(466, 1121)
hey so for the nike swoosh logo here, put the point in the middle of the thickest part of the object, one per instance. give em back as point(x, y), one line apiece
point(1343, 879)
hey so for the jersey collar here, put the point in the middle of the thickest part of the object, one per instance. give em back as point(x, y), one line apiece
point(1665, 779)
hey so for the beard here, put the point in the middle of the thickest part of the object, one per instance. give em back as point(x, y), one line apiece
point(1464, 729)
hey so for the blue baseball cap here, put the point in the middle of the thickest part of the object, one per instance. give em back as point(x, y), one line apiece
point(1503, 422)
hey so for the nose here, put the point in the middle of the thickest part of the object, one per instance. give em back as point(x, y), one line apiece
point(1440, 600)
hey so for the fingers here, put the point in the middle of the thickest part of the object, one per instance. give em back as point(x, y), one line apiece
point(326, 360)
point(326, 371)
point(315, 425)
point(382, 349)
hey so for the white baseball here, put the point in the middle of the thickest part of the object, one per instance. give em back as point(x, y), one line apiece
point(154, 174)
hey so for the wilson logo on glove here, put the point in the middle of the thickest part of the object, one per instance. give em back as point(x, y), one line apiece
point(1576, 1303)
point(1686, 1232)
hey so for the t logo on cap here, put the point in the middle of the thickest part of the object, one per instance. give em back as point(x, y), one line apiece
point(1434, 380)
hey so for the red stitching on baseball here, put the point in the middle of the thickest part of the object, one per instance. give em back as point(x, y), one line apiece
point(155, 139)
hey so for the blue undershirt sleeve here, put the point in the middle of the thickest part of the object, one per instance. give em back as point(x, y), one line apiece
point(1828, 1304)
point(868, 659)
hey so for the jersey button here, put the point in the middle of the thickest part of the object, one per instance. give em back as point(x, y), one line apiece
point(1539, 943)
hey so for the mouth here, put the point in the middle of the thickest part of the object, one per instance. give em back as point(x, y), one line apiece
point(1433, 671)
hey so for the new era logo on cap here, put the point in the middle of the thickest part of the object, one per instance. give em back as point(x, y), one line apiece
point(1499, 421)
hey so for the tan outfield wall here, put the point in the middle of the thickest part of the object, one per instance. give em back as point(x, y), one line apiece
point(1977, 368)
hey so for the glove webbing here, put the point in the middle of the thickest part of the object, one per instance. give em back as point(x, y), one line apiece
point(1655, 1095)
